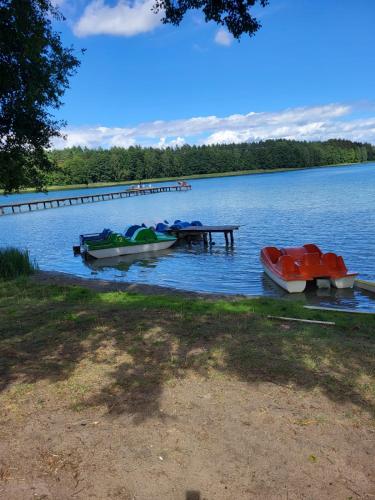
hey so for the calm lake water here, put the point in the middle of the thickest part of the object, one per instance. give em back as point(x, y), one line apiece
point(333, 207)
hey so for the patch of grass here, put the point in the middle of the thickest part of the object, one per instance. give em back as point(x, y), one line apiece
point(20, 390)
point(256, 306)
point(15, 263)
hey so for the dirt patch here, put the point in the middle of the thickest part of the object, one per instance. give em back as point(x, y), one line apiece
point(209, 439)
point(100, 285)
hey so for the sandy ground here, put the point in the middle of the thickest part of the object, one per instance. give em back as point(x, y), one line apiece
point(208, 439)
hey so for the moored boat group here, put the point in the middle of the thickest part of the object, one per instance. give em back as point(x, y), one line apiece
point(135, 239)
point(292, 268)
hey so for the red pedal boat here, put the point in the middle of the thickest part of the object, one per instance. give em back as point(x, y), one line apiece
point(291, 268)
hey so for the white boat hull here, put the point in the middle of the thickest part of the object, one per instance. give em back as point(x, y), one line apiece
point(128, 250)
point(345, 282)
point(297, 286)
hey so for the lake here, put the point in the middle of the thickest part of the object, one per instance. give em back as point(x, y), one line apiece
point(333, 207)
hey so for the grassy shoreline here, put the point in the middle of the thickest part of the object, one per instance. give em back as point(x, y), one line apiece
point(186, 177)
point(77, 310)
point(50, 288)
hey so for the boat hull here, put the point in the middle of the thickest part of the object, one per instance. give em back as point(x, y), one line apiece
point(296, 286)
point(131, 249)
point(344, 282)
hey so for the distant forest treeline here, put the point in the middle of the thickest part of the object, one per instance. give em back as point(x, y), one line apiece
point(82, 166)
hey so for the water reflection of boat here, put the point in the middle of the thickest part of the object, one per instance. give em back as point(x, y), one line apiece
point(347, 298)
point(124, 262)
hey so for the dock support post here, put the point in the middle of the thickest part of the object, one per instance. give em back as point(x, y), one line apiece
point(210, 236)
point(226, 238)
point(231, 238)
point(205, 242)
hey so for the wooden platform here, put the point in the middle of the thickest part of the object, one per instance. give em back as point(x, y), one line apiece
point(205, 232)
point(369, 286)
point(29, 206)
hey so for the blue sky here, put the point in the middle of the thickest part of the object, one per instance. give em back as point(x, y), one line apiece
point(309, 73)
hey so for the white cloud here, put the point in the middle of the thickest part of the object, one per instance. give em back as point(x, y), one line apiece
point(227, 137)
point(94, 137)
point(179, 141)
point(164, 143)
point(362, 130)
point(204, 124)
point(308, 123)
point(124, 18)
point(222, 37)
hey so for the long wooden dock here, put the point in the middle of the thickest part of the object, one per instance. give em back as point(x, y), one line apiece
point(205, 232)
point(30, 206)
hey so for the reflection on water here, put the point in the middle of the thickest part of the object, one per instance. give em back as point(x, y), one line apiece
point(333, 207)
point(344, 298)
point(123, 262)
point(324, 297)
point(148, 260)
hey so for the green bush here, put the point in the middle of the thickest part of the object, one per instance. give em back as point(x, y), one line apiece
point(14, 263)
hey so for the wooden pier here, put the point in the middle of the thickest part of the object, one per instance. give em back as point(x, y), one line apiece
point(30, 206)
point(205, 232)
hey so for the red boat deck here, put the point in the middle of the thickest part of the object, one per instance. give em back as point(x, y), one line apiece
point(304, 263)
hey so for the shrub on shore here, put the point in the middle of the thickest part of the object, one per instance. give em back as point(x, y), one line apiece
point(15, 262)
